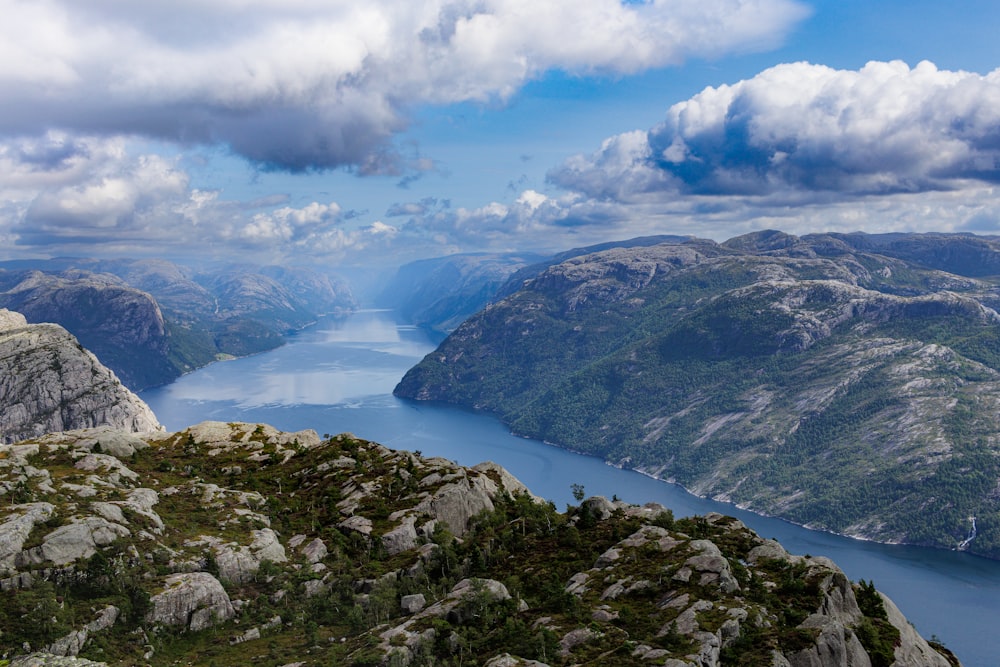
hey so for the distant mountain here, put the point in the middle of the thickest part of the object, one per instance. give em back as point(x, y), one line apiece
point(517, 278)
point(120, 324)
point(843, 382)
point(152, 320)
point(48, 382)
point(440, 293)
point(236, 544)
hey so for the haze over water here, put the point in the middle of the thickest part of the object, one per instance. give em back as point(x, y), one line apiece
point(338, 376)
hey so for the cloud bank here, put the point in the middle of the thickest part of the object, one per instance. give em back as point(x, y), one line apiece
point(803, 133)
point(313, 84)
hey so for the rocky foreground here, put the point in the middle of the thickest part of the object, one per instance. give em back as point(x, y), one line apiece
point(236, 544)
point(48, 382)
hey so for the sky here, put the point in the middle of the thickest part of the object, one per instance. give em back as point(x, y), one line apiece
point(344, 133)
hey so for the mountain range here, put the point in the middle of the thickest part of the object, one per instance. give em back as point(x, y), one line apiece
point(152, 320)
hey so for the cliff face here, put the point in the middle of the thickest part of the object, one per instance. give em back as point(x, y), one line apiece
point(806, 378)
point(48, 382)
point(234, 543)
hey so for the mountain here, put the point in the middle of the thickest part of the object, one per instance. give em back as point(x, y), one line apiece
point(122, 325)
point(237, 544)
point(152, 320)
point(440, 293)
point(48, 382)
point(833, 380)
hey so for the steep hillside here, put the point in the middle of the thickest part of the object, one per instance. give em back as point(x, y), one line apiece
point(844, 390)
point(235, 544)
point(48, 382)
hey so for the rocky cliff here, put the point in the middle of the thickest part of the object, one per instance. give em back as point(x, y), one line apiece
point(239, 544)
point(816, 379)
point(48, 382)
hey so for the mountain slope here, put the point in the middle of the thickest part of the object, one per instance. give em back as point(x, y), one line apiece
point(237, 544)
point(844, 390)
point(48, 382)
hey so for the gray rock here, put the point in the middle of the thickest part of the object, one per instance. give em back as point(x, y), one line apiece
point(73, 541)
point(49, 660)
point(357, 523)
point(191, 600)
point(73, 643)
point(508, 660)
point(48, 383)
point(575, 638)
point(15, 530)
point(456, 503)
point(315, 551)
point(239, 563)
point(314, 587)
point(411, 604)
point(833, 648)
point(401, 538)
point(913, 649)
point(600, 507)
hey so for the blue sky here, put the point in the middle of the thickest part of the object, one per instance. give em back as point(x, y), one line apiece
point(374, 133)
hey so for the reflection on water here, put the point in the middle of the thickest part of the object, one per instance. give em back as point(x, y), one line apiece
point(339, 375)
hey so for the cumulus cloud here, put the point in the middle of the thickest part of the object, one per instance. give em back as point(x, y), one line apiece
point(802, 133)
point(97, 197)
point(313, 84)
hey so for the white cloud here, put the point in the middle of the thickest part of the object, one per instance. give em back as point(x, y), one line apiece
point(801, 132)
point(315, 84)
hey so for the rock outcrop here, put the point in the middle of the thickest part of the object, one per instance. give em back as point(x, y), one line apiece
point(284, 545)
point(192, 601)
point(48, 383)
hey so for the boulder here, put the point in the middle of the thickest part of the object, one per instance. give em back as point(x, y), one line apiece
point(15, 530)
point(401, 538)
point(190, 600)
point(239, 563)
point(315, 551)
point(411, 604)
point(456, 503)
point(74, 541)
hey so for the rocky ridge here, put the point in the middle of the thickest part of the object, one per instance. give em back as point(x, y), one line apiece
point(49, 382)
point(236, 543)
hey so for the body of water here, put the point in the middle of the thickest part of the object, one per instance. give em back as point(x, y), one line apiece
point(338, 377)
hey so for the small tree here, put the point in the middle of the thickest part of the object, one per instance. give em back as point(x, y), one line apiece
point(578, 493)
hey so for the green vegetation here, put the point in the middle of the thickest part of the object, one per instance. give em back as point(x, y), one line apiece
point(602, 583)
